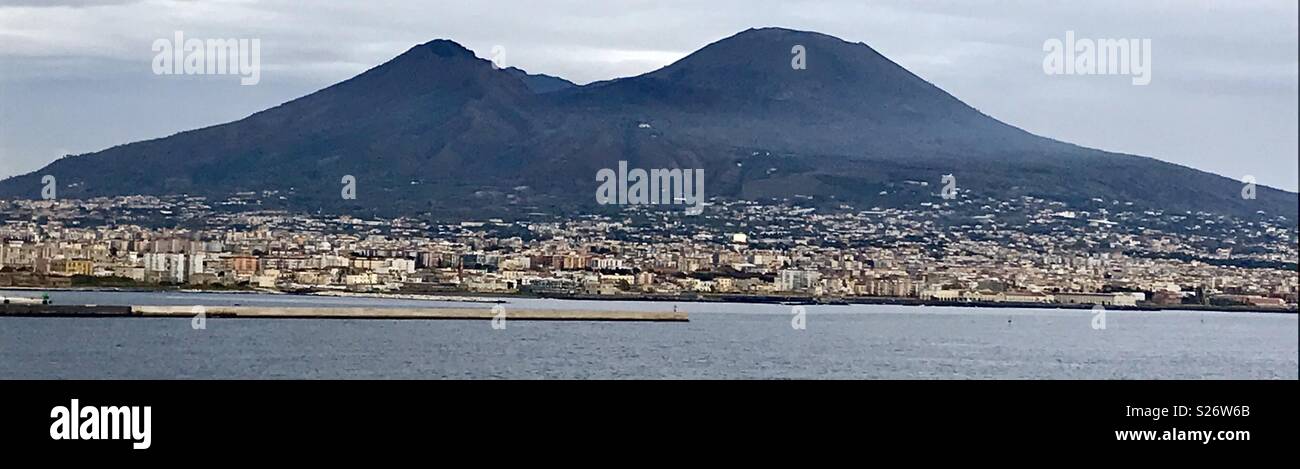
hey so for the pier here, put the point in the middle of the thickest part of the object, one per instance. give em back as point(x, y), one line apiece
point(266, 312)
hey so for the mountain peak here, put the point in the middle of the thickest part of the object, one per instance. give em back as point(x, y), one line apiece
point(444, 48)
point(795, 73)
point(771, 51)
point(777, 32)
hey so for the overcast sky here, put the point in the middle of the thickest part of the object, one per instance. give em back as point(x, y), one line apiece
point(76, 76)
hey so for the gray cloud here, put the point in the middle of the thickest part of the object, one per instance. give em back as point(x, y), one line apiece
point(74, 75)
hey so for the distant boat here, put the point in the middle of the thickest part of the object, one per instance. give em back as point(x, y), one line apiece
point(23, 300)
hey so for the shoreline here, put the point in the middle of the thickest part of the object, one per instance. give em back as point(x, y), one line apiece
point(498, 298)
point(916, 302)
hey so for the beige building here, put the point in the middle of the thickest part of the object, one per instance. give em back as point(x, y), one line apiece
point(71, 267)
point(1103, 299)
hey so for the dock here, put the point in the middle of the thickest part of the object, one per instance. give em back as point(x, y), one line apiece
point(264, 312)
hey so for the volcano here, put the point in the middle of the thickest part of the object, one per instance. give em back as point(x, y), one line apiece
point(438, 130)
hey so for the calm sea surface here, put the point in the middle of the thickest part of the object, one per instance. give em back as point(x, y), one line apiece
point(720, 341)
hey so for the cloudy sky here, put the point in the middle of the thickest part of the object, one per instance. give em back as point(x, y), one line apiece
point(76, 76)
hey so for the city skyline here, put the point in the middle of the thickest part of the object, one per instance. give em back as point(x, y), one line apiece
point(734, 251)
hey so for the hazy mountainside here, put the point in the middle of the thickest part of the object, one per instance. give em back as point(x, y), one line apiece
point(439, 130)
point(540, 83)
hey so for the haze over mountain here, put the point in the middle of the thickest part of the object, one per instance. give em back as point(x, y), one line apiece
point(439, 130)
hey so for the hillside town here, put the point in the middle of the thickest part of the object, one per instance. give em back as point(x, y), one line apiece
point(968, 250)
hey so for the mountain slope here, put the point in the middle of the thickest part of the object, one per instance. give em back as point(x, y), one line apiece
point(540, 83)
point(439, 130)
